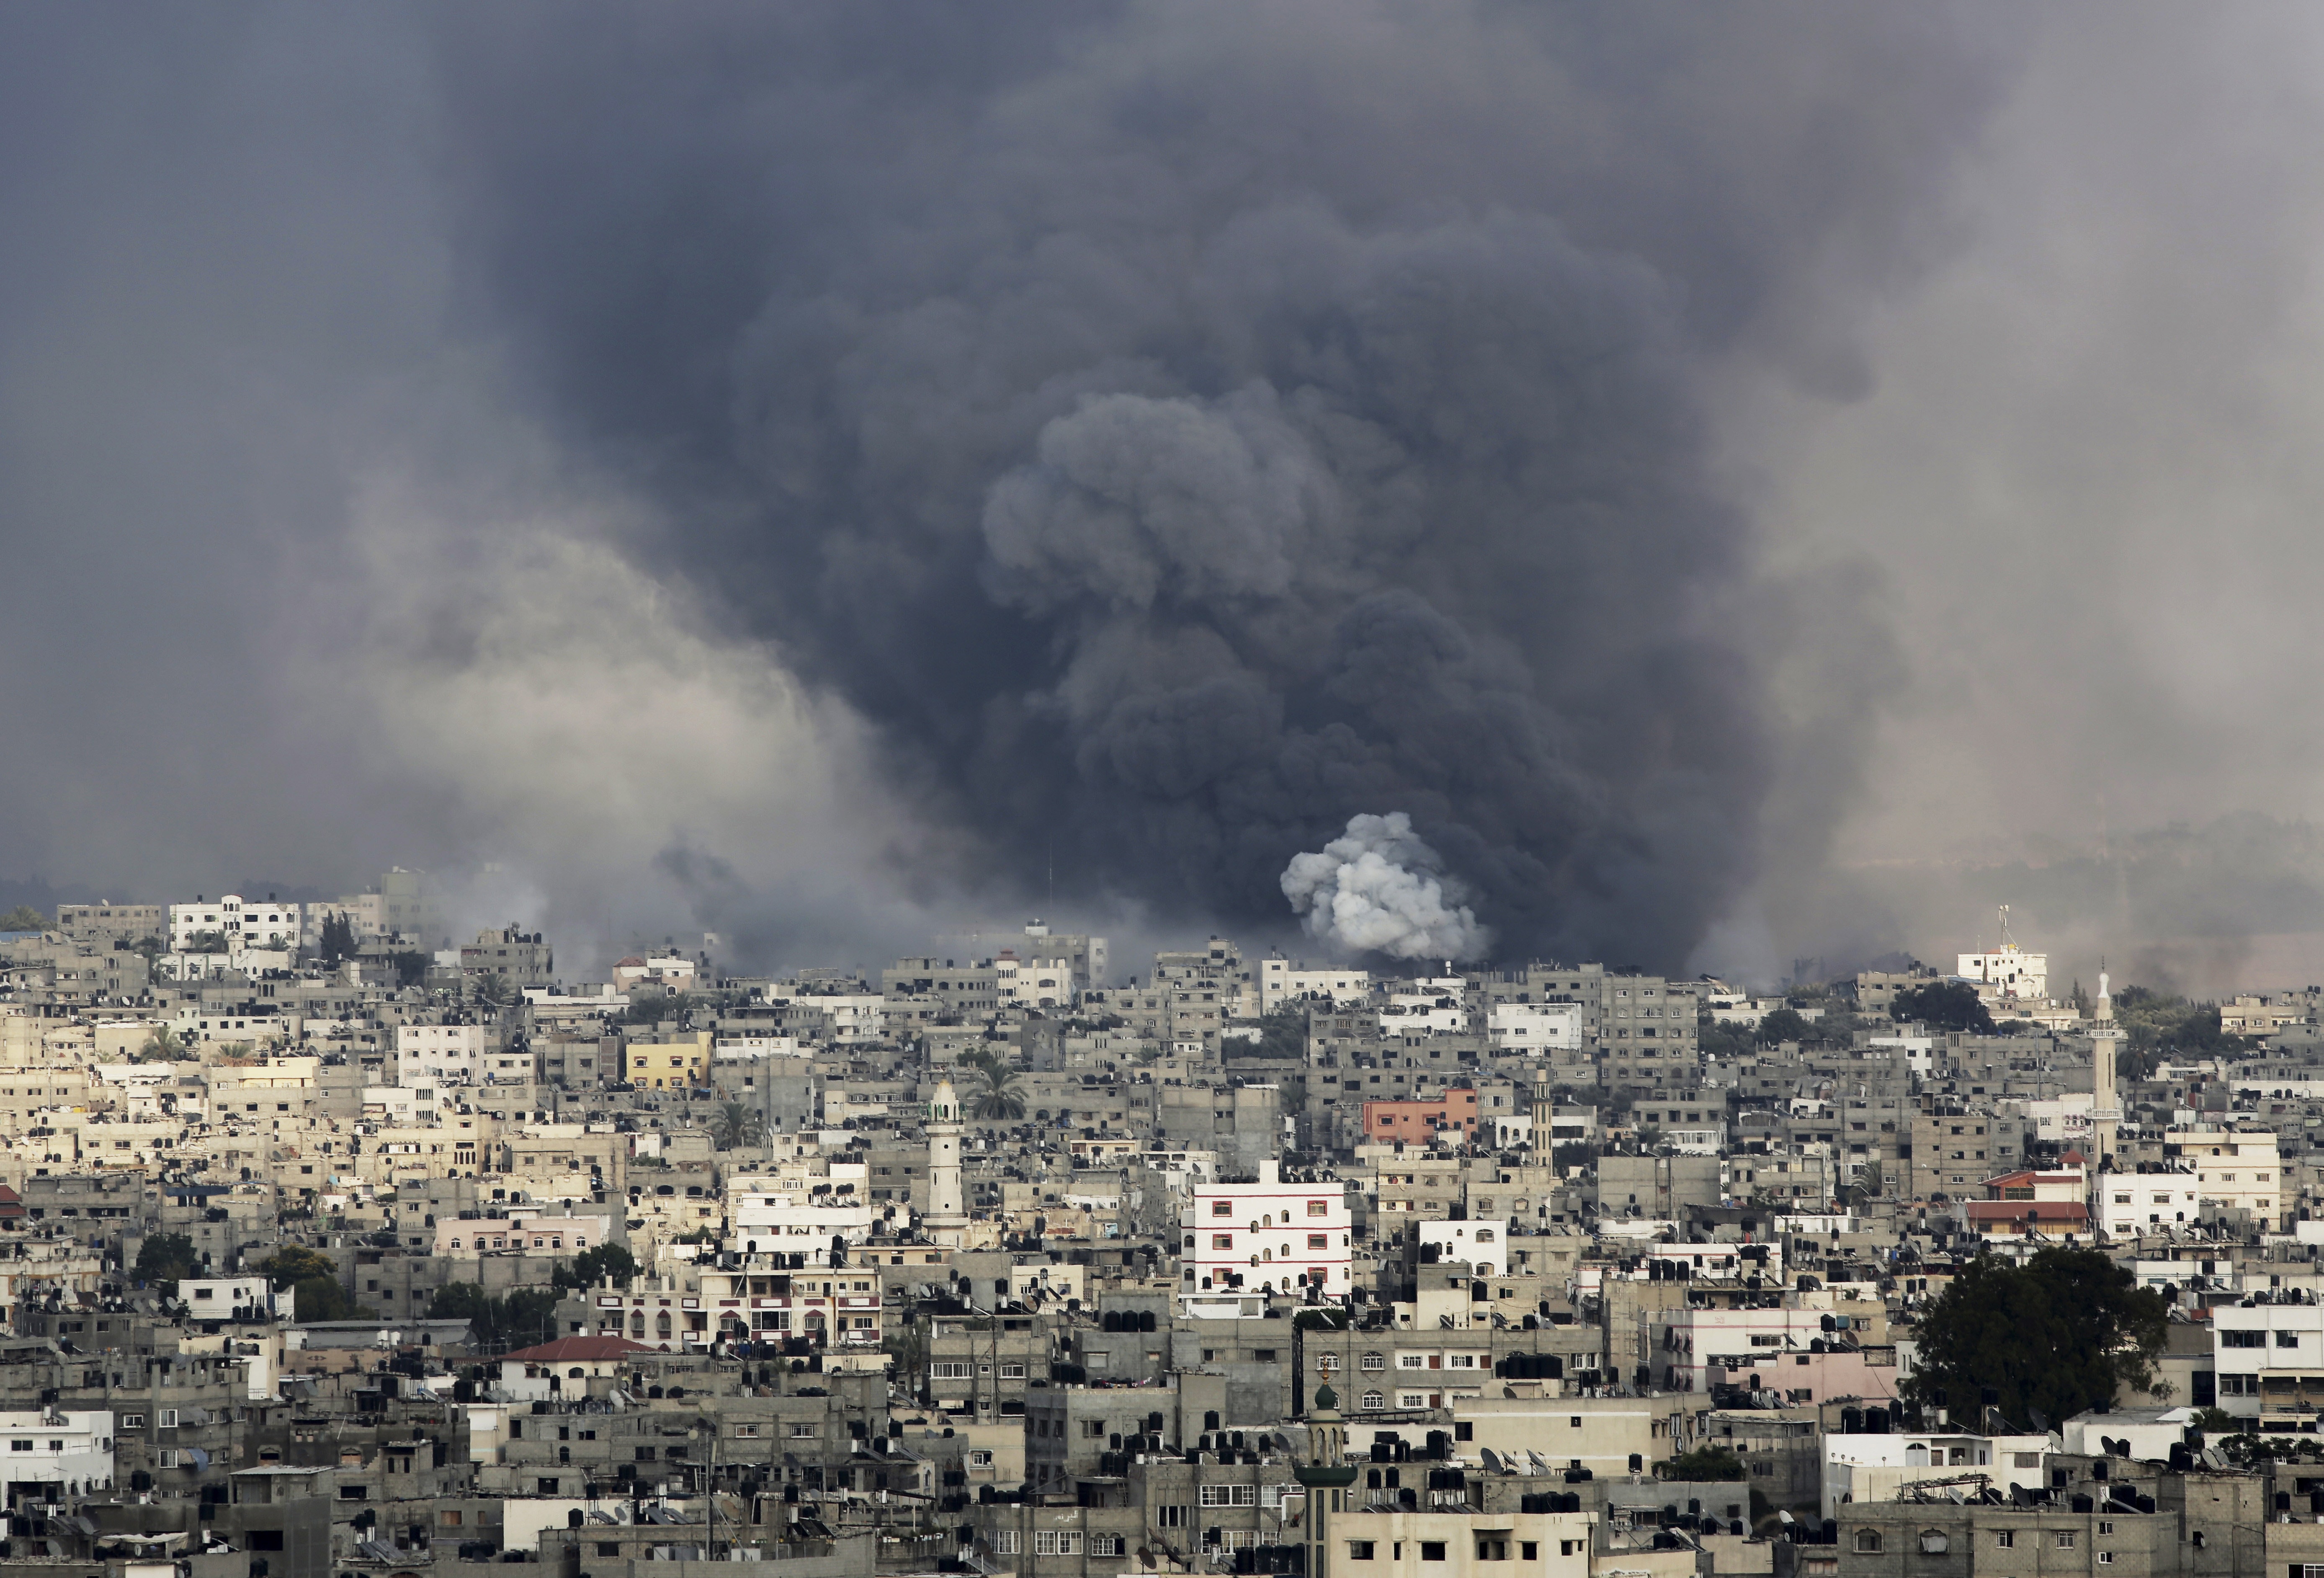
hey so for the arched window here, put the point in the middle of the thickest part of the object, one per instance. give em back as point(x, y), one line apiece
point(1868, 1540)
point(1484, 1235)
point(1374, 1400)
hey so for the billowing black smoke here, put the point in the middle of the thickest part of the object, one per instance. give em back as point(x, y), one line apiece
point(1182, 430)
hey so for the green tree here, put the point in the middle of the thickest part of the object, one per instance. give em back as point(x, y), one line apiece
point(593, 1266)
point(526, 1317)
point(1281, 1034)
point(1785, 1024)
point(1868, 1183)
point(656, 1006)
point(1704, 1462)
point(410, 966)
point(316, 1280)
point(338, 939)
point(2059, 1333)
point(494, 990)
point(736, 1125)
point(1943, 1005)
point(164, 1045)
point(163, 1259)
point(24, 917)
point(1717, 1040)
point(1001, 1101)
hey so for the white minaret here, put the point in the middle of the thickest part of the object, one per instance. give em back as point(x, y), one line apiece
point(947, 1217)
point(2106, 1104)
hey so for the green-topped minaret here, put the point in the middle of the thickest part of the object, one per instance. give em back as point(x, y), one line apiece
point(1327, 1475)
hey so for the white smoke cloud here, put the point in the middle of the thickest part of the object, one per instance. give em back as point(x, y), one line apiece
point(1378, 889)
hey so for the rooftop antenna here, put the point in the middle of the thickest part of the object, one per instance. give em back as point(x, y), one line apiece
point(2008, 942)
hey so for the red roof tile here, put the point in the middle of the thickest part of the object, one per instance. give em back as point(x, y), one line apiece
point(565, 1350)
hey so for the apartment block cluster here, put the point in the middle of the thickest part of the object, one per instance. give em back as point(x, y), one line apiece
point(1017, 1261)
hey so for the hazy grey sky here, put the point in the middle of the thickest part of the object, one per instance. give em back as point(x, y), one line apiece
point(818, 471)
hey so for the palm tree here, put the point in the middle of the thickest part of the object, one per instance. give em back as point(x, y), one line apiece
point(162, 1045)
point(736, 1125)
point(494, 990)
point(1000, 1101)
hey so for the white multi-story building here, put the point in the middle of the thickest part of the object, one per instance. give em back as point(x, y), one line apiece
point(1281, 980)
point(1410, 1013)
point(54, 1456)
point(800, 1210)
point(1683, 1345)
point(215, 1298)
point(2007, 972)
point(1032, 983)
point(1484, 1245)
point(1267, 1236)
point(1536, 1026)
point(242, 923)
point(1873, 1468)
point(2130, 1203)
point(2269, 1356)
point(2235, 1168)
point(432, 1057)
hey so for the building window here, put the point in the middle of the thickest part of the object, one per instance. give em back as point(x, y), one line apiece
point(1868, 1540)
point(1360, 1550)
point(2065, 1539)
point(1432, 1550)
point(2007, 1539)
point(1374, 1400)
point(1004, 1541)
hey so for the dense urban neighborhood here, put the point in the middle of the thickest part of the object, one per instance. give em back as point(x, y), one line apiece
point(330, 1246)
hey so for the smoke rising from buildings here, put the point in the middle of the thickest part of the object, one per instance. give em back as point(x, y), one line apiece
point(1377, 888)
point(798, 470)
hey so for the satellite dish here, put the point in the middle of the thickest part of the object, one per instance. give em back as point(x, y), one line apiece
point(1492, 1462)
point(2041, 1420)
point(1538, 1465)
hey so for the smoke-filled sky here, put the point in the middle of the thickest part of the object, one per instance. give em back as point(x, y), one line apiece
point(823, 473)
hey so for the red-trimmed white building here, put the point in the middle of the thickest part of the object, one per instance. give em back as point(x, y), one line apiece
point(564, 1367)
point(2028, 1202)
point(1269, 1236)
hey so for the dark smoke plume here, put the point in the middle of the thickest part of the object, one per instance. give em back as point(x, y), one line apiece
point(1181, 429)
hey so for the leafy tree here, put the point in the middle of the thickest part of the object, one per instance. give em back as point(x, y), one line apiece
point(526, 1317)
point(339, 939)
point(163, 1258)
point(293, 1263)
point(494, 990)
point(1281, 1034)
point(1572, 1153)
point(316, 1278)
point(1785, 1024)
point(410, 966)
point(1717, 1039)
point(24, 917)
point(1868, 1183)
point(2156, 1025)
point(1943, 1005)
point(2061, 1333)
point(651, 1010)
point(736, 1125)
point(593, 1266)
point(206, 942)
point(164, 1045)
point(1704, 1462)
